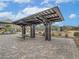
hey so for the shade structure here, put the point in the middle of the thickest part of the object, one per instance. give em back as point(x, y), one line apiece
point(46, 17)
point(52, 14)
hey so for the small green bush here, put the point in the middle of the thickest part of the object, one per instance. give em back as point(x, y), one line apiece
point(76, 34)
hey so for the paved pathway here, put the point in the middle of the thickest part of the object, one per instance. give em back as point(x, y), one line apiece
point(13, 47)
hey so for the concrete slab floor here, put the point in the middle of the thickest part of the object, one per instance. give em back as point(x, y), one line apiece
point(13, 47)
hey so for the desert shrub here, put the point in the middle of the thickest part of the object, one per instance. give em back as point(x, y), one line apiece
point(76, 34)
point(56, 34)
point(40, 32)
point(53, 34)
point(59, 34)
point(66, 35)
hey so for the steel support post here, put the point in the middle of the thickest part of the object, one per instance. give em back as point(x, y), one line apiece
point(23, 31)
point(48, 31)
point(32, 31)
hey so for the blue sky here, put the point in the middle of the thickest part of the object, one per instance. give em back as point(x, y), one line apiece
point(16, 9)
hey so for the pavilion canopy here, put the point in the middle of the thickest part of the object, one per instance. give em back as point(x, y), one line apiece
point(49, 15)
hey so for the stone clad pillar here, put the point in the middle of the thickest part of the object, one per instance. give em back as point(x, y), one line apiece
point(48, 31)
point(23, 31)
point(32, 31)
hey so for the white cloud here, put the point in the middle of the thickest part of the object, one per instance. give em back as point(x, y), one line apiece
point(45, 1)
point(24, 13)
point(19, 15)
point(63, 1)
point(32, 10)
point(28, 11)
point(7, 15)
point(2, 5)
point(5, 0)
point(72, 16)
point(59, 23)
point(58, 1)
point(22, 1)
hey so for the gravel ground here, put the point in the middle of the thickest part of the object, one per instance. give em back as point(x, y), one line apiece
point(13, 47)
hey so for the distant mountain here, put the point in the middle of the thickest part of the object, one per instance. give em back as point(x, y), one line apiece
point(5, 21)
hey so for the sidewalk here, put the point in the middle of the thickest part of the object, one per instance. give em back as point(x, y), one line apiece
point(13, 47)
